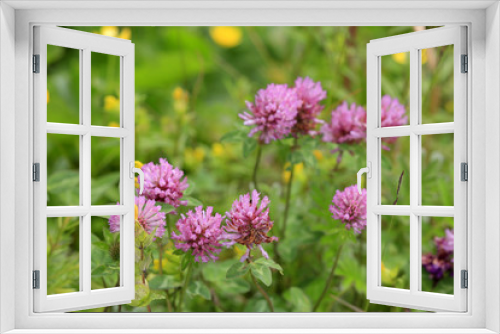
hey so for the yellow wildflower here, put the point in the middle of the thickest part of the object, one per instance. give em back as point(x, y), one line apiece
point(318, 155)
point(111, 103)
point(298, 171)
point(126, 33)
point(114, 124)
point(227, 37)
point(179, 94)
point(424, 56)
point(109, 31)
point(138, 164)
point(218, 150)
point(136, 212)
point(449, 106)
point(239, 250)
point(194, 157)
point(399, 58)
point(388, 275)
point(181, 98)
point(48, 96)
point(156, 264)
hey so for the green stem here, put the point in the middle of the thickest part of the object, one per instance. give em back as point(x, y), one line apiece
point(169, 304)
point(330, 278)
point(288, 194)
point(143, 272)
point(268, 300)
point(184, 287)
point(160, 255)
point(256, 167)
point(169, 230)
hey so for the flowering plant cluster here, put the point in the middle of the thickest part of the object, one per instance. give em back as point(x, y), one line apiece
point(441, 263)
point(260, 131)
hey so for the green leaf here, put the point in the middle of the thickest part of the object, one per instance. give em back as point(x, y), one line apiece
point(61, 180)
point(262, 273)
point(200, 289)
point(192, 201)
point(270, 263)
point(166, 207)
point(249, 145)
point(141, 296)
point(99, 271)
point(157, 295)
point(186, 260)
point(162, 282)
point(233, 286)
point(237, 270)
point(298, 299)
point(257, 306)
point(178, 252)
point(235, 136)
point(189, 189)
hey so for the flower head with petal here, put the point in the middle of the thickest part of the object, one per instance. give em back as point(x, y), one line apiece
point(445, 243)
point(347, 125)
point(199, 231)
point(437, 265)
point(349, 206)
point(147, 215)
point(248, 223)
point(273, 112)
point(393, 114)
point(310, 94)
point(164, 183)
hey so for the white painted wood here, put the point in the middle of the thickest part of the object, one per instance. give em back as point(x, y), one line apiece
point(192, 14)
point(86, 43)
point(491, 162)
point(77, 129)
point(244, 4)
point(414, 297)
point(7, 167)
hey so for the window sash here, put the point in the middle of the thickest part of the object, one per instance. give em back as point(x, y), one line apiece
point(413, 43)
point(86, 43)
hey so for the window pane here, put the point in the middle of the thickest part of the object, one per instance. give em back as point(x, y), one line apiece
point(396, 162)
point(63, 179)
point(63, 255)
point(395, 252)
point(106, 249)
point(63, 85)
point(437, 254)
point(105, 170)
point(105, 81)
point(437, 84)
point(437, 169)
point(395, 100)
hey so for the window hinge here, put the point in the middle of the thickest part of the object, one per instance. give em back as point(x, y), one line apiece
point(465, 64)
point(36, 63)
point(464, 171)
point(36, 279)
point(465, 279)
point(36, 172)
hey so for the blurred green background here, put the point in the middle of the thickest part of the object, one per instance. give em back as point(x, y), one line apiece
point(191, 83)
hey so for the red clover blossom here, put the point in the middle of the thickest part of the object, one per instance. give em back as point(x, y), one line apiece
point(248, 223)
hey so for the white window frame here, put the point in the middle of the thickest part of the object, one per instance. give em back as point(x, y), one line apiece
point(86, 43)
point(483, 21)
point(414, 43)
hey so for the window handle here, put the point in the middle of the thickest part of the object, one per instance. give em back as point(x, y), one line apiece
point(134, 170)
point(368, 171)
